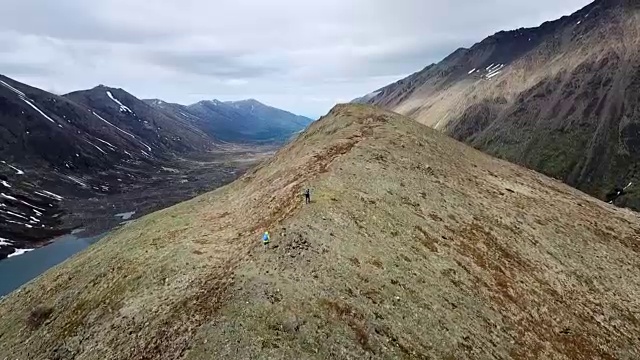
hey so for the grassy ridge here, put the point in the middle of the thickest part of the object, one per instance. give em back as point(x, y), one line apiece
point(415, 246)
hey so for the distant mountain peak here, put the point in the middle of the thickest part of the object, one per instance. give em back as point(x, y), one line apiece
point(154, 102)
point(214, 102)
point(247, 101)
point(248, 120)
point(104, 87)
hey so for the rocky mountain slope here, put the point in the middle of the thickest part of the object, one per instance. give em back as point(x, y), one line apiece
point(166, 132)
point(66, 159)
point(272, 118)
point(561, 98)
point(247, 121)
point(415, 246)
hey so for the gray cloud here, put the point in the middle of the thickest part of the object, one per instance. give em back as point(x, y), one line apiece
point(303, 56)
point(72, 20)
point(214, 63)
point(23, 69)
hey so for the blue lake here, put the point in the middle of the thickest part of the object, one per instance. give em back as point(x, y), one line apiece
point(17, 271)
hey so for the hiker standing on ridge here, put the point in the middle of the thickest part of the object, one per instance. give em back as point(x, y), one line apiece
point(307, 196)
point(266, 239)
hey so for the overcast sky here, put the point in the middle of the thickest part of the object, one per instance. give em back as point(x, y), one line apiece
point(303, 56)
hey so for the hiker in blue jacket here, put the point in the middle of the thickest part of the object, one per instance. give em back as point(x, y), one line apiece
point(266, 239)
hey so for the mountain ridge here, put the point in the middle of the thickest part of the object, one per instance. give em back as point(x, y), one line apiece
point(414, 245)
point(556, 98)
point(248, 119)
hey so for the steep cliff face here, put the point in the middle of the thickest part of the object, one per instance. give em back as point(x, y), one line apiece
point(561, 98)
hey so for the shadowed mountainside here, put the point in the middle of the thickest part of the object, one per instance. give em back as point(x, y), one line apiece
point(75, 161)
point(561, 98)
point(246, 121)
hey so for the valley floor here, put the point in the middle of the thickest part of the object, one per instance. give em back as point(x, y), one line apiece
point(148, 189)
point(177, 181)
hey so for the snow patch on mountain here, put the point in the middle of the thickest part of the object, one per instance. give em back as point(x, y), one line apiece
point(106, 143)
point(147, 146)
point(18, 171)
point(26, 101)
point(124, 132)
point(49, 195)
point(494, 70)
point(31, 206)
point(77, 181)
point(101, 118)
point(14, 214)
point(20, 93)
point(493, 74)
point(95, 146)
point(8, 197)
point(123, 108)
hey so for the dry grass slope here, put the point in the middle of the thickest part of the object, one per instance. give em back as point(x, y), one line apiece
point(415, 246)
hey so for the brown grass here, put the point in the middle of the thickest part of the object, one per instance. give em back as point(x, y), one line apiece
point(352, 318)
point(439, 267)
point(38, 316)
point(426, 239)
